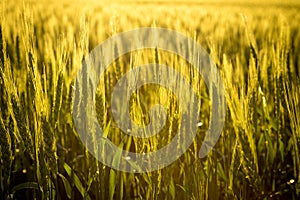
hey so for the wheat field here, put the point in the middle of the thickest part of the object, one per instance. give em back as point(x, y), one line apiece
point(255, 46)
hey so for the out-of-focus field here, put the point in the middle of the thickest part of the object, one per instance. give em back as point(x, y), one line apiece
point(254, 44)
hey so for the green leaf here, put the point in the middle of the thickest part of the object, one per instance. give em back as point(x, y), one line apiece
point(281, 150)
point(181, 187)
point(106, 130)
point(67, 185)
point(172, 188)
point(76, 181)
point(270, 147)
point(27, 185)
point(112, 183)
point(260, 143)
point(221, 172)
point(117, 157)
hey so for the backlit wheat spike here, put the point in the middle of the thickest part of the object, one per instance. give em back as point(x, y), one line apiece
point(3, 94)
point(100, 108)
point(76, 102)
point(156, 61)
point(69, 96)
point(3, 63)
point(21, 123)
point(84, 82)
point(18, 54)
point(11, 132)
point(2, 47)
point(58, 98)
point(117, 65)
point(31, 87)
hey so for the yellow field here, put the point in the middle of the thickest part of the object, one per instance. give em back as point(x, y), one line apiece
point(44, 44)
